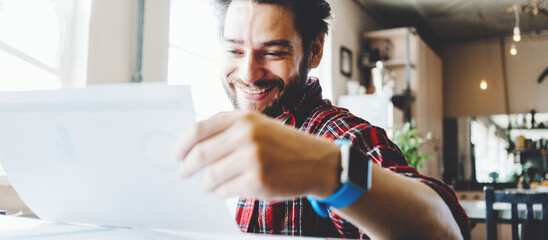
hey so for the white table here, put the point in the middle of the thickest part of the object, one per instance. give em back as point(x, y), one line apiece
point(475, 209)
point(31, 228)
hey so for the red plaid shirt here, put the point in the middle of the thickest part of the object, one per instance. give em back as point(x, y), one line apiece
point(296, 217)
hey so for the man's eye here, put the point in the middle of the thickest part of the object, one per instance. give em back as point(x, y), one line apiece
point(276, 54)
point(234, 52)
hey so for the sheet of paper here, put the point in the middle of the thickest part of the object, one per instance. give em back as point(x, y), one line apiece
point(25, 228)
point(104, 155)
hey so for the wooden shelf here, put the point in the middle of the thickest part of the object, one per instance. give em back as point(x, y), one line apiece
point(417, 71)
point(527, 150)
point(390, 63)
point(389, 33)
point(529, 129)
point(401, 101)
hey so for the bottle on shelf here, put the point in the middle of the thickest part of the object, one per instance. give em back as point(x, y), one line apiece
point(533, 118)
point(520, 142)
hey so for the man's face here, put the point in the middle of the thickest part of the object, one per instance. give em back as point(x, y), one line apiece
point(263, 56)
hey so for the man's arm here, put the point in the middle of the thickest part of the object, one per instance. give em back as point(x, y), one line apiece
point(249, 155)
point(397, 207)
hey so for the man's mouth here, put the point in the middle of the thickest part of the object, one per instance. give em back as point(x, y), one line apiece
point(255, 90)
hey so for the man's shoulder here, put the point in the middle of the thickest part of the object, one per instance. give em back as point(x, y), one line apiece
point(338, 123)
point(330, 111)
point(329, 118)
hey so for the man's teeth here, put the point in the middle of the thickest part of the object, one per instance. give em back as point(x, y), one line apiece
point(254, 91)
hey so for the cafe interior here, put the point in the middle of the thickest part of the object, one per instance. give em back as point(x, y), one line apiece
point(461, 86)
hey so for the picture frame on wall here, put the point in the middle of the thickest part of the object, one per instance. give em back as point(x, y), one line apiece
point(346, 62)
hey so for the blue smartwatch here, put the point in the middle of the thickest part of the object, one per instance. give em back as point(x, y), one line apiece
point(355, 180)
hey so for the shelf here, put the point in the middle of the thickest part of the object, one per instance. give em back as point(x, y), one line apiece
point(527, 153)
point(390, 63)
point(527, 150)
point(529, 133)
point(530, 129)
point(389, 33)
point(401, 101)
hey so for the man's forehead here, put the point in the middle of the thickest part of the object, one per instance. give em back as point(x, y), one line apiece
point(261, 23)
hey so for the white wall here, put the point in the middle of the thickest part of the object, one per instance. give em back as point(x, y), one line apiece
point(523, 71)
point(466, 63)
point(350, 21)
point(156, 41)
point(113, 41)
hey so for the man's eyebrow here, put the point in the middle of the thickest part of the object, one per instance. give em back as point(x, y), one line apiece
point(240, 42)
point(282, 43)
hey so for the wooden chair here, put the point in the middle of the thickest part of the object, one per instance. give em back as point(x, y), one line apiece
point(531, 227)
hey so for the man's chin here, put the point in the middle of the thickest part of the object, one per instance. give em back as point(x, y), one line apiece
point(269, 110)
point(251, 107)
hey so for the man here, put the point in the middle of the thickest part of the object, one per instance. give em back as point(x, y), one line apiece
point(284, 162)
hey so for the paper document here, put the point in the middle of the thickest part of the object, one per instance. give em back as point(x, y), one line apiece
point(25, 228)
point(104, 155)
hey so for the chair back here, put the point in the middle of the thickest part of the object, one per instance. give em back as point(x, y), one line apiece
point(515, 198)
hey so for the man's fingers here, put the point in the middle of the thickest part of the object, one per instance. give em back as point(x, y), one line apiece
point(203, 130)
point(208, 151)
point(243, 185)
point(225, 169)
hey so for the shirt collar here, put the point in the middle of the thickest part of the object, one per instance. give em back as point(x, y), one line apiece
point(311, 98)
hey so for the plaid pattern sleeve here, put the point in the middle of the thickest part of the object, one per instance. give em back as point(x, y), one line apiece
point(296, 216)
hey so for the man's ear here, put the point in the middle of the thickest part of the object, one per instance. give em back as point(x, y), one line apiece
point(316, 52)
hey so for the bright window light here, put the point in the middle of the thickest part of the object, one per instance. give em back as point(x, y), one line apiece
point(194, 54)
point(492, 161)
point(36, 36)
point(29, 45)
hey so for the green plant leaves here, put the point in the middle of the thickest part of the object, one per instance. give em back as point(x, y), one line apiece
point(409, 141)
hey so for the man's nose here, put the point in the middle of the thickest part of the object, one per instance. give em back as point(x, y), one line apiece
point(251, 69)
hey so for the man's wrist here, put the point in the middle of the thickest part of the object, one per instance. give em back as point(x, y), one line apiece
point(355, 180)
point(330, 180)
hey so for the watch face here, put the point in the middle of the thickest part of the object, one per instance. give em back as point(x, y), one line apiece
point(359, 170)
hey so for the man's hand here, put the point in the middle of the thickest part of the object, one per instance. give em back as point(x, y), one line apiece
point(250, 155)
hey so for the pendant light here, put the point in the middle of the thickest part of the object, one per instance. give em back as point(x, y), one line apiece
point(483, 84)
point(517, 31)
point(513, 49)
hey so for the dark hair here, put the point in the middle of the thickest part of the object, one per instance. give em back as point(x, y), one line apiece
point(310, 17)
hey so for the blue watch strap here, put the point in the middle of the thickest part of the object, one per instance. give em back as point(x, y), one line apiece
point(345, 196)
point(319, 207)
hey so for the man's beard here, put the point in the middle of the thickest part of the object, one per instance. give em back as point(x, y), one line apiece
point(291, 93)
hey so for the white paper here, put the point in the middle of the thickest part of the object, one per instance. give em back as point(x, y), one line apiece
point(25, 228)
point(104, 155)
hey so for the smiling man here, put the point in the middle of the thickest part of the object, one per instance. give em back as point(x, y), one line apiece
point(265, 64)
point(301, 165)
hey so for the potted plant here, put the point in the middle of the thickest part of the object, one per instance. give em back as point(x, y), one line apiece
point(409, 141)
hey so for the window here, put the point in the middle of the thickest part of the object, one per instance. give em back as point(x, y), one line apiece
point(43, 44)
point(29, 45)
point(493, 163)
point(194, 55)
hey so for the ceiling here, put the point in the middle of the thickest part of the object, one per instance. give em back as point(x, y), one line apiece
point(446, 21)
